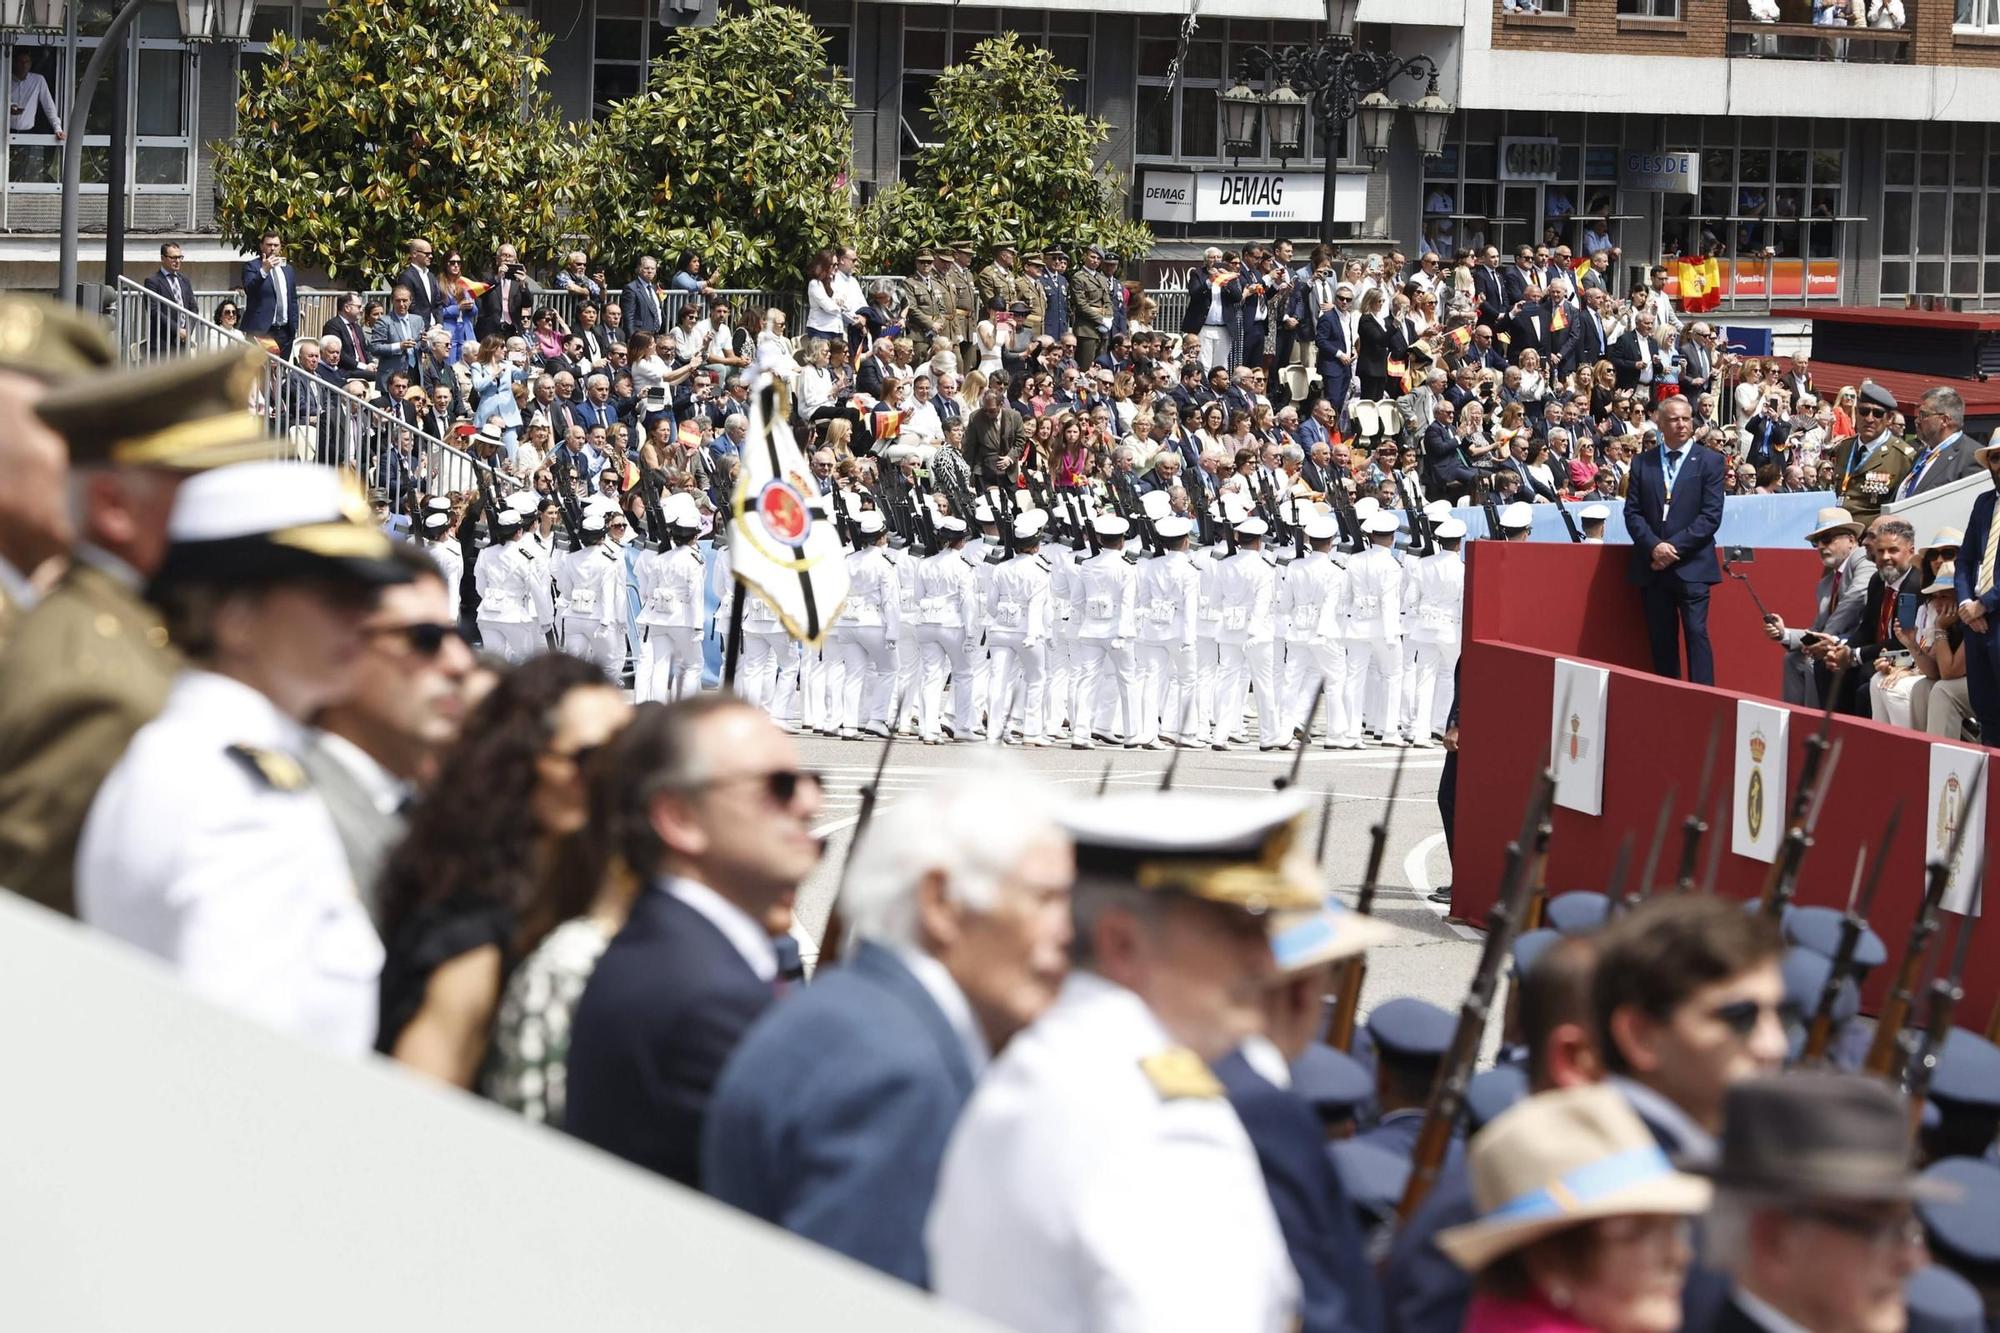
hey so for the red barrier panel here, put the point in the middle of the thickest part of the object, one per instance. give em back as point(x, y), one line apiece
point(1574, 600)
point(1655, 736)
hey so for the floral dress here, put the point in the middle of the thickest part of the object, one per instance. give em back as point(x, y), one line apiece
point(528, 1068)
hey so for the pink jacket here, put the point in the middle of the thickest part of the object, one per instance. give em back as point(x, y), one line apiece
point(1492, 1314)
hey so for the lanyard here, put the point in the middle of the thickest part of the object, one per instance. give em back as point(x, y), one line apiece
point(1671, 470)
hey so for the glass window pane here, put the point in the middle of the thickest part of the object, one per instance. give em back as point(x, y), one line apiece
point(1755, 131)
point(160, 166)
point(1754, 165)
point(268, 23)
point(312, 22)
point(618, 38)
point(1901, 169)
point(1600, 164)
point(1200, 122)
point(160, 22)
point(916, 105)
point(1156, 58)
point(1446, 167)
point(1934, 169)
point(1930, 279)
point(1076, 25)
point(1896, 222)
point(1791, 166)
point(1826, 167)
point(1965, 165)
point(1482, 161)
point(963, 41)
point(1993, 231)
point(923, 50)
point(610, 83)
point(1993, 279)
point(1204, 60)
point(1964, 223)
point(1932, 208)
point(1895, 279)
point(162, 101)
point(985, 20)
point(1718, 164)
point(1964, 278)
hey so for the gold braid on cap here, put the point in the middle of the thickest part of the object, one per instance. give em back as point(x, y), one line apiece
point(1274, 881)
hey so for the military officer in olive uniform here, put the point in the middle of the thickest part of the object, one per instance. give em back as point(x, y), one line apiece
point(1870, 464)
point(1090, 306)
point(963, 289)
point(91, 664)
point(929, 311)
point(996, 280)
point(1028, 291)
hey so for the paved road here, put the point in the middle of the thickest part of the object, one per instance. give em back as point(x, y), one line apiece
point(1432, 959)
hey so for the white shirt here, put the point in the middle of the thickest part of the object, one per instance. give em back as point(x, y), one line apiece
point(744, 934)
point(1693, 1145)
point(15, 588)
point(1434, 597)
point(942, 987)
point(24, 95)
point(196, 854)
point(385, 791)
point(1075, 1195)
point(1763, 1314)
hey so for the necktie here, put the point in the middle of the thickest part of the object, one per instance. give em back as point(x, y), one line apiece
point(1985, 583)
point(278, 288)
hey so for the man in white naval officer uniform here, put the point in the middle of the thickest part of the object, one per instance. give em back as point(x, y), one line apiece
point(207, 846)
point(1098, 1179)
point(673, 602)
point(590, 590)
point(1168, 598)
point(873, 621)
point(1312, 659)
point(1105, 672)
point(512, 591)
point(1433, 607)
point(1017, 611)
point(1246, 592)
point(947, 601)
point(1370, 620)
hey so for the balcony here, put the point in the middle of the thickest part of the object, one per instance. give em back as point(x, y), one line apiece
point(1792, 34)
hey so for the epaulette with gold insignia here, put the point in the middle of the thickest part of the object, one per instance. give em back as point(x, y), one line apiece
point(279, 772)
point(1178, 1073)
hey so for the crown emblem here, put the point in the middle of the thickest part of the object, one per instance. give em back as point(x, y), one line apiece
point(1757, 747)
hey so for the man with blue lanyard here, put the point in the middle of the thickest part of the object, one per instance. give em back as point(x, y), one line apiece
point(1673, 506)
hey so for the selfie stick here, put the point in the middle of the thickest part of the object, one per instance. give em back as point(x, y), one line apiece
point(1744, 579)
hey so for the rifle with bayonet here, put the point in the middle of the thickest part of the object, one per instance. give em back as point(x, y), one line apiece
point(1354, 971)
point(483, 474)
point(1502, 925)
point(1422, 537)
point(563, 475)
point(1483, 490)
point(1946, 991)
point(1806, 797)
point(1853, 925)
point(1881, 1059)
point(1693, 828)
point(1291, 776)
point(835, 934)
point(1569, 521)
point(656, 513)
point(1643, 887)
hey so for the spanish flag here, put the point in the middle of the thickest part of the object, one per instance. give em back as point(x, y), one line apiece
point(1693, 279)
point(1711, 269)
point(1580, 263)
point(1461, 337)
point(1559, 317)
point(476, 289)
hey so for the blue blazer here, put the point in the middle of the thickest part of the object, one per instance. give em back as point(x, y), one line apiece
point(1689, 523)
point(260, 298)
point(668, 1003)
point(1966, 576)
point(1336, 1284)
point(830, 1120)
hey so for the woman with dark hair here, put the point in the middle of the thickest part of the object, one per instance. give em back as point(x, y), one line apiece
point(825, 319)
point(487, 850)
point(689, 277)
point(1371, 364)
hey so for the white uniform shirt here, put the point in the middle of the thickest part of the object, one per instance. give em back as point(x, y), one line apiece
point(1246, 589)
point(1063, 617)
point(947, 590)
point(451, 559)
point(1303, 593)
point(672, 589)
point(1208, 605)
point(1434, 597)
point(592, 584)
point(1106, 588)
point(874, 597)
point(905, 565)
point(1371, 601)
point(1074, 1196)
point(1169, 599)
point(1018, 607)
point(198, 855)
point(513, 590)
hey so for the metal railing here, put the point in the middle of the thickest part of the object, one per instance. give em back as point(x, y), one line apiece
point(309, 417)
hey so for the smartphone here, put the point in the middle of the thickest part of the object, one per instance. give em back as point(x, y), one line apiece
point(1808, 639)
point(1906, 611)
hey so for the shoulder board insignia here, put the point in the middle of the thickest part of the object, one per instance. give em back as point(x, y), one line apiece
point(279, 772)
point(1131, 557)
point(1178, 1074)
point(1904, 445)
point(996, 556)
point(1042, 560)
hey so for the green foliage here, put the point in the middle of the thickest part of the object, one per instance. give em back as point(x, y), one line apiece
point(1014, 163)
point(738, 150)
point(408, 118)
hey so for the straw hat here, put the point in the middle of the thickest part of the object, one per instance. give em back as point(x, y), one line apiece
point(1559, 1159)
point(1833, 522)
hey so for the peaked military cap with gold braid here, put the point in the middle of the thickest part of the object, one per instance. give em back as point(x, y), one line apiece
point(1241, 853)
point(50, 342)
point(187, 415)
point(275, 522)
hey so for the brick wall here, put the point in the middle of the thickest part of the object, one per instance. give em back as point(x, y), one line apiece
point(1701, 32)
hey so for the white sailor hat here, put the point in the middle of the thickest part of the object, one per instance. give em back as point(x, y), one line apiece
point(680, 510)
point(983, 512)
point(871, 522)
point(1235, 506)
point(1365, 506)
point(524, 502)
point(1156, 504)
point(946, 523)
point(1023, 500)
point(1594, 513)
point(1321, 527)
point(438, 504)
point(1517, 515)
point(1030, 524)
point(1252, 527)
point(1449, 530)
point(592, 523)
point(436, 521)
point(1110, 525)
point(269, 521)
point(1381, 521)
point(1437, 511)
point(1173, 527)
point(507, 518)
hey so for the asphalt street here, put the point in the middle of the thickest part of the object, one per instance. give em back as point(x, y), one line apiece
point(1431, 959)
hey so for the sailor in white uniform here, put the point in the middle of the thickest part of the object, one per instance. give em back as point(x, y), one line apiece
point(1246, 591)
point(673, 598)
point(514, 596)
point(1313, 661)
point(947, 607)
point(1433, 610)
point(1105, 672)
point(1018, 614)
point(874, 612)
point(1370, 619)
point(590, 591)
point(1168, 599)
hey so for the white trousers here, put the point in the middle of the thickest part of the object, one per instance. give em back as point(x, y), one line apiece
point(942, 648)
point(1385, 656)
point(514, 643)
point(1251, 666)
point(1019, 677)
point(1106, 680)
point(1207, 684)
point(868, 675)
point(1167, 692)
point(1215, 345)
point(1434, 690)
point(673, 670)
point(1310, 663)
point(594, 641)
point(767, 674)
point(1060, 649)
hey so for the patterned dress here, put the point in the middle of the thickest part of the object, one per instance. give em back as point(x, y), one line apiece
point(528, 1067)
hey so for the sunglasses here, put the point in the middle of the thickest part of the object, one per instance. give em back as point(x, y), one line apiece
point(1903, 1229)
point(1872, 412)
point(782, 785)
point(1741, 1016)
point(425, 640)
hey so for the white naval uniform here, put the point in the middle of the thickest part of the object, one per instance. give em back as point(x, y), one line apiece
point(211, 858)
point(543, 549)
point(867, 673)
point(1077, 1197)
point(767, 672)
point(451, 560)
point(1063, 624)
point(974, 552)
point(1209, 720)
point(673, 588)
point(1246, 591)
point(514, 601)
point(1370, 619)
point(1019, 615)
point(1312, 656)
point(1106, 590)
point(906, 691)
point(590, 588)
point(1168, 599)
point(1433, 608)
point(947, 618)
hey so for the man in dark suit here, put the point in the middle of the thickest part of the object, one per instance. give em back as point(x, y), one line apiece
point(504, 306)
point(1587, 335)
point(1336, 350)
point(1893, 544)
point(1215, 293)
point(1945, 453)
point(1531, 327)
point(641, 300)
point(1515, 281)
point(1673, 506)
point(716, 816)
point(355, 360)
point(417, 276)
point(961, 934)
point(1486, 285)
point(169, 330)
point(1978, 594)
point(271, 294)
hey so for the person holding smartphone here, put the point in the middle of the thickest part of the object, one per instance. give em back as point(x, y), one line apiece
point(1841, 599)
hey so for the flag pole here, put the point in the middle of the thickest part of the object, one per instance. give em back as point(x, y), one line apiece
point(732, 645)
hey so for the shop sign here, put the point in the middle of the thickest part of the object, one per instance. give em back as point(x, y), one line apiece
point(1249, 196)
point(1527, 159)
point(1664, 173)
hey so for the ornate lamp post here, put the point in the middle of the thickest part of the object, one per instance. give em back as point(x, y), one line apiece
point(1340, 82)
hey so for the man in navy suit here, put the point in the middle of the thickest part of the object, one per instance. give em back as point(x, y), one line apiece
point(831, 1118)
point(271, 294)
point(716, 816)
point(1587, 343)
point(642, 298)
point(1336, 352)
point(417, 276)
point(1673, 506)
point(1978, 595)
point(169, 330)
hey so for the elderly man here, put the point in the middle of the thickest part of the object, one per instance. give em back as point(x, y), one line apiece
point(1892, 544)
point(1099, 1178)
point(1870, 466)
point(715, 816)
point(1841, 599)
point(831, 1118)
point(1945, 452)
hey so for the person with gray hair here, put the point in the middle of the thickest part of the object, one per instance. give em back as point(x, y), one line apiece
point(1945, 451)
point(831, 1118)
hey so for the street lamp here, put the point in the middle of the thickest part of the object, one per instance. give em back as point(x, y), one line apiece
point(201, 21)
point(1241, 106)
point(32, 15)
point(1285, 111)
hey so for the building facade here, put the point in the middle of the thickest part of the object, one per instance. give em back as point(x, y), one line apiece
point(1817, 164)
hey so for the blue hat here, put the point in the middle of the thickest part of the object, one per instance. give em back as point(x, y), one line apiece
point(1529, 946)
point(1577, 913)
point(1332, 1082)
point(1967, 1227)
point(1940, 1301)
point(1410, 1027)
point(1493, 1091)
point(1805, 974)
point(1374, 1178)
point(1818, 929)
point(1968, 1070)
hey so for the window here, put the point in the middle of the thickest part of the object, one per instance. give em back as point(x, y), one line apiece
point(937, 37)
point(1941, 213)
point(626, 39)
point(1558, 169)
point(1649, 9)
point(1534, 7)
point(159, 90)
point(1181, 119)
